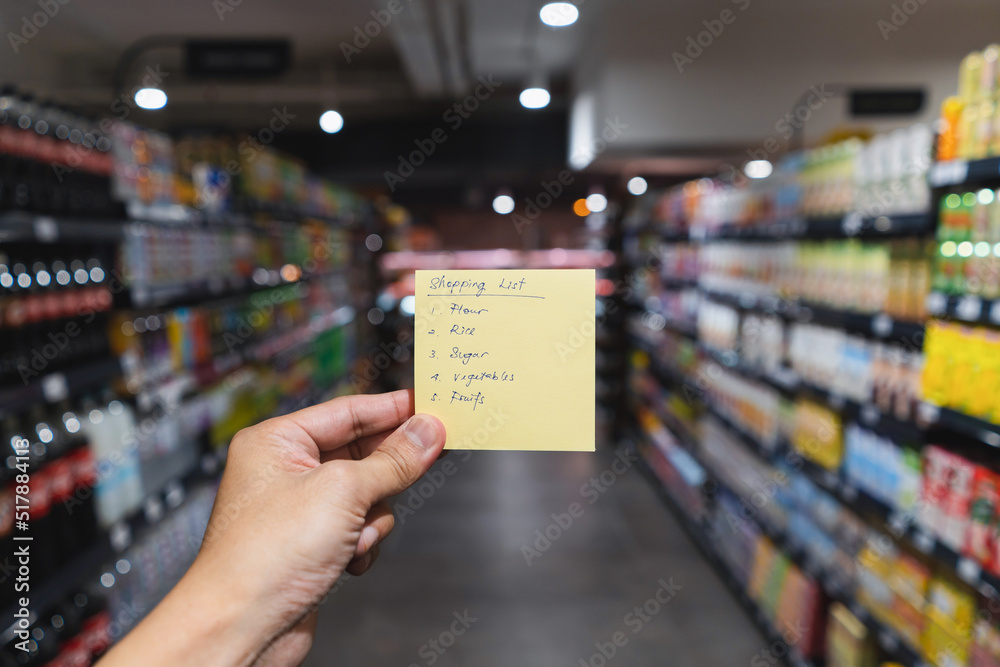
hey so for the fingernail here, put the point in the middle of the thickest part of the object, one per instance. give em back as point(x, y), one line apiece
point(369, 537)
point(420, 432)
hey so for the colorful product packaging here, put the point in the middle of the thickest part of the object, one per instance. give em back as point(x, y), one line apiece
point(949, 616)
point(979, 544)
point(848, 642)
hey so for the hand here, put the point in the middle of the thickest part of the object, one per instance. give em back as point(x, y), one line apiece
point(302, 500)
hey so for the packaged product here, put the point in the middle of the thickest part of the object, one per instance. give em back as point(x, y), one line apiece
point(961, 473)
point(983, 516)
point(935, 488)
point(949, 616)
point(985, 649)
point(908, 579)
point(848, 642)
point(874, 567)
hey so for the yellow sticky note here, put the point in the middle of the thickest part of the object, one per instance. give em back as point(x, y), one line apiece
point(505, 359)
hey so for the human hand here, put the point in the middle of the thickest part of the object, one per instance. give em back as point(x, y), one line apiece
point(302, 500)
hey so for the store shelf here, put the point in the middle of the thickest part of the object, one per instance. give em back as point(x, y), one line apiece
point(958, 422)
point(62, 584)
point(879, 326)
point(665, 235)
point(54, 387)
point(107, 544)
point(886, 519)
point(20, 227)
point(961, 172)
point(679, 283)
point(686, 329)
point(788, 382)
point(965, 307)
point(698, 535)
point(837, 227)
point(200, 291)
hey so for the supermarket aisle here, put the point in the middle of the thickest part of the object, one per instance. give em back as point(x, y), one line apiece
point(462, 552)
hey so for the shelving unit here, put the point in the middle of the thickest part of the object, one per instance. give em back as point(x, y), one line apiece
point(924, 424)
point(168, 386)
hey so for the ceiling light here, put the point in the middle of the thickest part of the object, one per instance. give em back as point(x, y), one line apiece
point(637, 185)
point(597, 202)
point(535, 98)
point(503, 204)
point(331, 122)
point(150, 98)
point(559, 14)
point(758, 169)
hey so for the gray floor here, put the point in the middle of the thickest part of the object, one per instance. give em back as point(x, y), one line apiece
point(462, 551)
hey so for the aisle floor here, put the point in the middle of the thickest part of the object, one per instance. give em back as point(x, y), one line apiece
point(461, 554)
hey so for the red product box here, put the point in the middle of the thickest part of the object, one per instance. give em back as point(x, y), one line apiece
point(934, 488)
point(961, 477)
point(981, 534)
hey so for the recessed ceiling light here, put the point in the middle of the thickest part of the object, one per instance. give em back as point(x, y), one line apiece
point(150, 98)
point(559, 14)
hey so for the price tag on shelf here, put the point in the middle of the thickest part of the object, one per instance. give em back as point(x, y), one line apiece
point(54, 387)
point(173, 494)
point(923, 541)
point(928, 412)
point(46, 229)
point(948, 173)
point(882, 325)
point(870, 415)
point(883, 224)
point(120, 536)
point(969, 570)
point(141, 295)
point(829, 480)
point(936, 303)
point(969, 308)
point(153, 509)
point(991, 438)
point(852, 223)
point(888, 641)
point(836, 401)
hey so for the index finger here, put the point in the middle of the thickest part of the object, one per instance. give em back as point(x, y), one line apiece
point(343, 420)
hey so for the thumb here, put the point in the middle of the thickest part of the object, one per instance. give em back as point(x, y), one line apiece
point(402, 458)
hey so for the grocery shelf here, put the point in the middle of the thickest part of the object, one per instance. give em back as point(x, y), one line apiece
point(902, 525)
point(199, 291)
point(21, 227)
point(62, 584)
point(698, 535)
point(851, 225)
point(961, 172)
point(789, 383)
point(679, 283)
point(54, 387)
point(959, 422)
point(965, 307)
point(880, 326)
point(109, 543)
point(665, 235)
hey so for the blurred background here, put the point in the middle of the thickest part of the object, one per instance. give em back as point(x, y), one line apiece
point(211, 212)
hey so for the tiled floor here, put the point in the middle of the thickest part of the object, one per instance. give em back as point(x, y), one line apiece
point(463, 552)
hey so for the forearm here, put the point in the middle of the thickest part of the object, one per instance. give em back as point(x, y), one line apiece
point(196, 624)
